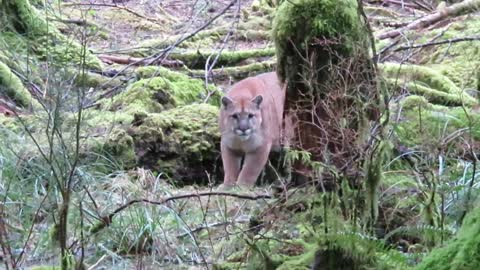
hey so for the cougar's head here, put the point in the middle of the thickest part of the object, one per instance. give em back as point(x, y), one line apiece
point(242, 116)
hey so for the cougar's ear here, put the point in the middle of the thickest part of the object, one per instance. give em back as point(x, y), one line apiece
point(226, 101)
point(257, 100)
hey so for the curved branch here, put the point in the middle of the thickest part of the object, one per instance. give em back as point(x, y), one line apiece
point(107, 220)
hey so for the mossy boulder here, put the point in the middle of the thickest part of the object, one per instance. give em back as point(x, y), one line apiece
point(182, 143)
point(160, 89)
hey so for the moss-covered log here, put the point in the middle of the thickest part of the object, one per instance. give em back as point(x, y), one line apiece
point(198, 59)
point(424, 123)
point(202, 39)
point(426, 81)
point(237, 72)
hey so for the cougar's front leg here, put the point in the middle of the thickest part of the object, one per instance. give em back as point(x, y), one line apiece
point(231, 165)
point(253, 166)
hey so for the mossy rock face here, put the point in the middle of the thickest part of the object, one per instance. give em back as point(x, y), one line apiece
point(463, 252)
point(182, 143)
point(160, 89)
point(423, 123)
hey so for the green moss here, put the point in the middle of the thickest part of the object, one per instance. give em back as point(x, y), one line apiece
point(461, 253)
point(431, 94)
point(90, 79)
point(164, 91)
point(427, 124)
point(303, 261)
point(105, 119)
point(237, 72)
point(44, 268)
point(426, 75)
point(12, 87)
point(181, 142)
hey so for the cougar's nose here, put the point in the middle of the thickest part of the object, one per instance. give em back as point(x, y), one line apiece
point(243, 125)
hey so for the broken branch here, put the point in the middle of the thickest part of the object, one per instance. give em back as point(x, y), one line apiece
point(451, 11)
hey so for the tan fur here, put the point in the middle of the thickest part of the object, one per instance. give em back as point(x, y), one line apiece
point(261, 126)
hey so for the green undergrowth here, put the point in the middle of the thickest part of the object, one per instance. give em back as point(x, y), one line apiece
point(44, 39)
point(12, 87)
point(309, 229)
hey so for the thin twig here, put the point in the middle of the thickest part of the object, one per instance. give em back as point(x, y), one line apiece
point(428, 44)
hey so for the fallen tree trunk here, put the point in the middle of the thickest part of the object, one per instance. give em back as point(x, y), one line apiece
point(198, 59)
point(135, 61)
point(459, 9)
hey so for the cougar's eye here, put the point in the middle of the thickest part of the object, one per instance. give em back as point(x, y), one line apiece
point(250, 115)
point(235, 116)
